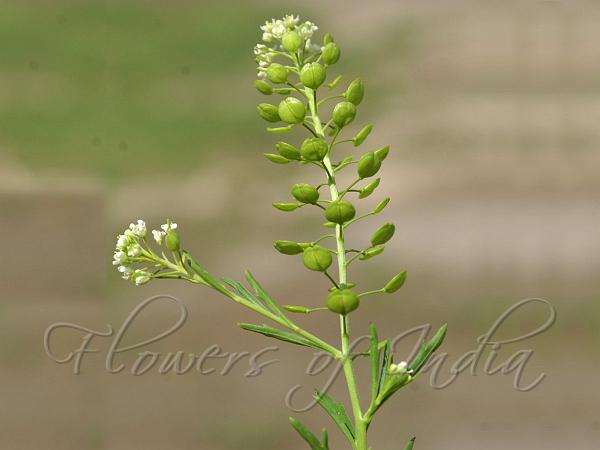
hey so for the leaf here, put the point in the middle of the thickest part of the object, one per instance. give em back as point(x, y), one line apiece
point(266, 330)
point(338, 413)
point(267, 300)
point(239, 287)
point(207, 278)
point(427, 349)
point(385, 362)
point(411, 443)
point(325, 438)
point(374, 357)
point(306, 434)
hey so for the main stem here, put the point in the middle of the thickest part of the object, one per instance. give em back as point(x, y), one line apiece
point(360, 425)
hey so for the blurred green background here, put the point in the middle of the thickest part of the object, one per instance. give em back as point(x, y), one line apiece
point(116, 110)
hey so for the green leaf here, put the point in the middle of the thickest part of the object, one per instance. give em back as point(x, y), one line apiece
point(374, 358)
point(262, 294)
point(385, 363)
point(427, 349)
point(325, 438)
point(207, 278)
point(307, 435)
point(277, 159)
point(369, 188)
point(338, 413)
point(381, 205)
point(243, 292)
point(287, 206)
point(411, 443)
point(266, 330)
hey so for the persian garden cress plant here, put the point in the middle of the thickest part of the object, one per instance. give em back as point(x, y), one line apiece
point(292, 65)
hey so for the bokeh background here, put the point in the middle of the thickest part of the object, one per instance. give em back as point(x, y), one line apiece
point(116, 110)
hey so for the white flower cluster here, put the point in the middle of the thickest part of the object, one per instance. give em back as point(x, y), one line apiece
point(399, 368)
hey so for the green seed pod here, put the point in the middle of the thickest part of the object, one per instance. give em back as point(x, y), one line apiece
point(297, 309)
point(355, 92)
point(288, 247)
point(368, 254)
point(268, 112)
point(342, 301)
point(292, 110)
point(382, 152)
point(287, 206)
point(312, 75)
point(314, 149)
point(395, 283)
point(305, 193)
point(368, 165)
point(263, 87)
point(317, 258)
point(173, 241)
point(331, 53)
point(335, 82)
point(288, 151)
point(369, 188)
point(340, 211)
point(343, 114)
point(327, 39)
point(362, 135)
point(280, 130)
point(383, 234)
point(277, 159)
point(382, 204)
point(291, 41)
point(277, 73)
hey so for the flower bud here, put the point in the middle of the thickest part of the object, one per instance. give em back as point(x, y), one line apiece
point(288, 247)
point(331, 53)
point(355, 92)
point(277, 73)
point(343, 114)
point(395, 283)
point(173, 241)
point(312, 75)
point(317, 258)
point(382, 152)
point(368, 165)
point(277, 159)
point(342, 301)
point(369, 188)
point(362, 135)
point(292, 110)
point(305, 193)
point(327, 39)
point(368, 254)
point(383, 235)
point(288, 151)
point(268, 112)
point(291, 41)
point(263, 87)
point(340, 211)
point(314, 149)
point(140, 277)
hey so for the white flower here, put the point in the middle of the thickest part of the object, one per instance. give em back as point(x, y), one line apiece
point(122, 242)
point(267, 37)
point(119, 258)
point(139, 228)
point(134, 250)
point(307, 29)
point(158, 235)
point(398, 368)
point(126, 271)
point(169, 226)
point(278, 29)
point(140, 277)
point(290, 21)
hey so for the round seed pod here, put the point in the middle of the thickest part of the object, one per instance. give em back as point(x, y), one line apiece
point(314, 149)
point(288, 247)
point(263, 87)
point(331, 53)
point(355, 92)
point(268, 112)
point(342, 301)
point(292, 110)
point(305, 193)
point(340, 211)
point(343, 114)
point(312, 75)
point(288, 151)
point(173, 241)
point(317, 258)
point(291, 41)
point(277, 73)
point(327, 38)
point(383, 234)
point(368, 165)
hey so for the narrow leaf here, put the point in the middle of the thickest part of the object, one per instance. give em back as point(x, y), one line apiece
point(427, 349)
point(374, 357)
point(385, 362)
point(208, 279)
point(243, 292)
point(266, 330)
point(411, 443)
point(306, 434)
point(262, 294)
point(338, 413)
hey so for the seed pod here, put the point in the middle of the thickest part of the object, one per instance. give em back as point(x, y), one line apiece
point(382, 204)
point(297, 309)
point(368, 165)
point(362, 135)
point(340, 211)
point(355, 92)
point(343, 114)
point(288, 247)
point(368, 254)
point(317, 258)
point(335, 82)
point(287, 206)
point(395, 283)
point(369, 188)
point(314, 149)
point(277, 159)
point(312, 75)
point(331, 53)
point(263, 87)
point(305, 193)
point(291, 41)
point(277, 73)
point(288, 151)
point(268, 112)
point(383, 234)
point(328, 38)
point(342, 301)
point(292, 110)
point(173, 241)
point(382, 152)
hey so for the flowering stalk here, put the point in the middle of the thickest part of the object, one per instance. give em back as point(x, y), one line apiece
point(290, 64)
